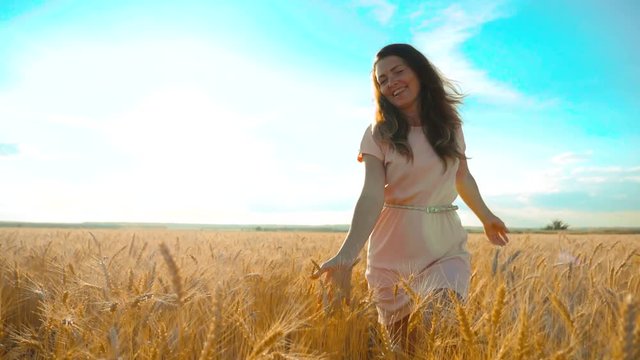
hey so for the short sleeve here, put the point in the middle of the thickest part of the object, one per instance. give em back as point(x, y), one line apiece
point(368, 145)
point(462, 146)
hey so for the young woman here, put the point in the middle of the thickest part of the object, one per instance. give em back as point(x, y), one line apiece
point(415, 166)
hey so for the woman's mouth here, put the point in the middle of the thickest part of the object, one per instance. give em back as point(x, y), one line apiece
point(399, 91)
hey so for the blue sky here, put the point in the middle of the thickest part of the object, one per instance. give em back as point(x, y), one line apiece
point(252, 111)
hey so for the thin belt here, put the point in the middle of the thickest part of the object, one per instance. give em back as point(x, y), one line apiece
point(427, 209)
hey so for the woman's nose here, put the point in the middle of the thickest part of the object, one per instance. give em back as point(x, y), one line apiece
point(392, 82)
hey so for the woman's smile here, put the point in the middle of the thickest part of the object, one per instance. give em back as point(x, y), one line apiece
point(398, 83)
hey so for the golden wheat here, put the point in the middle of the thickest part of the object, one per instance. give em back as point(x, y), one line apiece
point(237, 295)
point(625, 349)
point(495, 317)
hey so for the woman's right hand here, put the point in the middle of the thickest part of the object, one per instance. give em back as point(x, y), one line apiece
point(338, 274)
point(332, 266)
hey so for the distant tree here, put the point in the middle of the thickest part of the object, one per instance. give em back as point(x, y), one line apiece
point(557, 225)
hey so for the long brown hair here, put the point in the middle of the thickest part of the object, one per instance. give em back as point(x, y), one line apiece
point(438, 107)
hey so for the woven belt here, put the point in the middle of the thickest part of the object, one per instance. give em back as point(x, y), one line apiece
point(427, 209)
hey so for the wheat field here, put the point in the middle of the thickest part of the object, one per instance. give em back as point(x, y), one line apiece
point(160, 294)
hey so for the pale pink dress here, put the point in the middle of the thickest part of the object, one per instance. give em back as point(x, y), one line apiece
point(404, 242)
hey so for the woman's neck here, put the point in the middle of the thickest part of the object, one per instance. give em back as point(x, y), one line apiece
point(412, 114)
point(413, 118)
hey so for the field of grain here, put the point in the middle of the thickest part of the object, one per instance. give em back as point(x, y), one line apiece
point(153, 294)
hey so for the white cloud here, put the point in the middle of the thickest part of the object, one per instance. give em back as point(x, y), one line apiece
point(418, 12)
point(631, 178)
point(606, 174)
point(440, 36)
point(521, 180)
point(616, 170)
point(568, 180)
point(571, 158)
point(538, 217)
point(592, 179)
point(381, 9)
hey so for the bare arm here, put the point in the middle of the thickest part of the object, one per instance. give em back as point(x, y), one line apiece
point(469, 192)
point(365, 215)
point(367, 208)
point(466, 185)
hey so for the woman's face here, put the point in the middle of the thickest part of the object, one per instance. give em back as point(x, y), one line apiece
point(398, 83)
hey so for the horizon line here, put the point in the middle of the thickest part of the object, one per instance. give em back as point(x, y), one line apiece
point(258, 226)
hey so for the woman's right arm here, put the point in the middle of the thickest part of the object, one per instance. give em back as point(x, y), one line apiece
point(365, 216)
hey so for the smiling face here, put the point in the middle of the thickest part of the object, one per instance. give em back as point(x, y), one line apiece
point(398, 83)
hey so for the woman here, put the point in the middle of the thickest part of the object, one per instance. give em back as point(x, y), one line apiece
point(414, 163)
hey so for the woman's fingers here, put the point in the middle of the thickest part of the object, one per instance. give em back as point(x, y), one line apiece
point(501, 236)
point(318, 270)
point(329, 267)
point(504, 236)
point(497, 232)
point(338, 278)
point(503, 232)
point(496, 239)
point(322, 270)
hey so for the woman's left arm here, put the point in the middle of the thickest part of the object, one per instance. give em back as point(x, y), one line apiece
point(466, 185)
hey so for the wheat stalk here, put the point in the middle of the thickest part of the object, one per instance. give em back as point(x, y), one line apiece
point(593, 254)
point(116, 255)
point(625, 349)
point(268, 341)
point(407, 288)
point(133, 240)
point(463, 321)
point(208, 343)
point(523, 346)
point(494, 263)
point(619, 268)
point(59, 311)
point(563, 354)
point(495, 317)
point(509, 260)
point(176, 279)
point(115, 343)
point(387, 344)
point(563, 311)
point(130, 282)
point(636, 342)
point(107, 287)
point(144, 247)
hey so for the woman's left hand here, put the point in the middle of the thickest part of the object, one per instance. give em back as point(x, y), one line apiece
point(495, 230)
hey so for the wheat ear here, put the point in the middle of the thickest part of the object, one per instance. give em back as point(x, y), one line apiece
point(176, 279)
point(563, 311)
point(625, 349)
point(523, 346)
point(495, 316)
point(272, 337)
point(463, 321)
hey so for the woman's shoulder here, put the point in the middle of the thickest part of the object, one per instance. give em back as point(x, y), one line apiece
point(372, 132)
point(371, 143)
point(371, 127)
